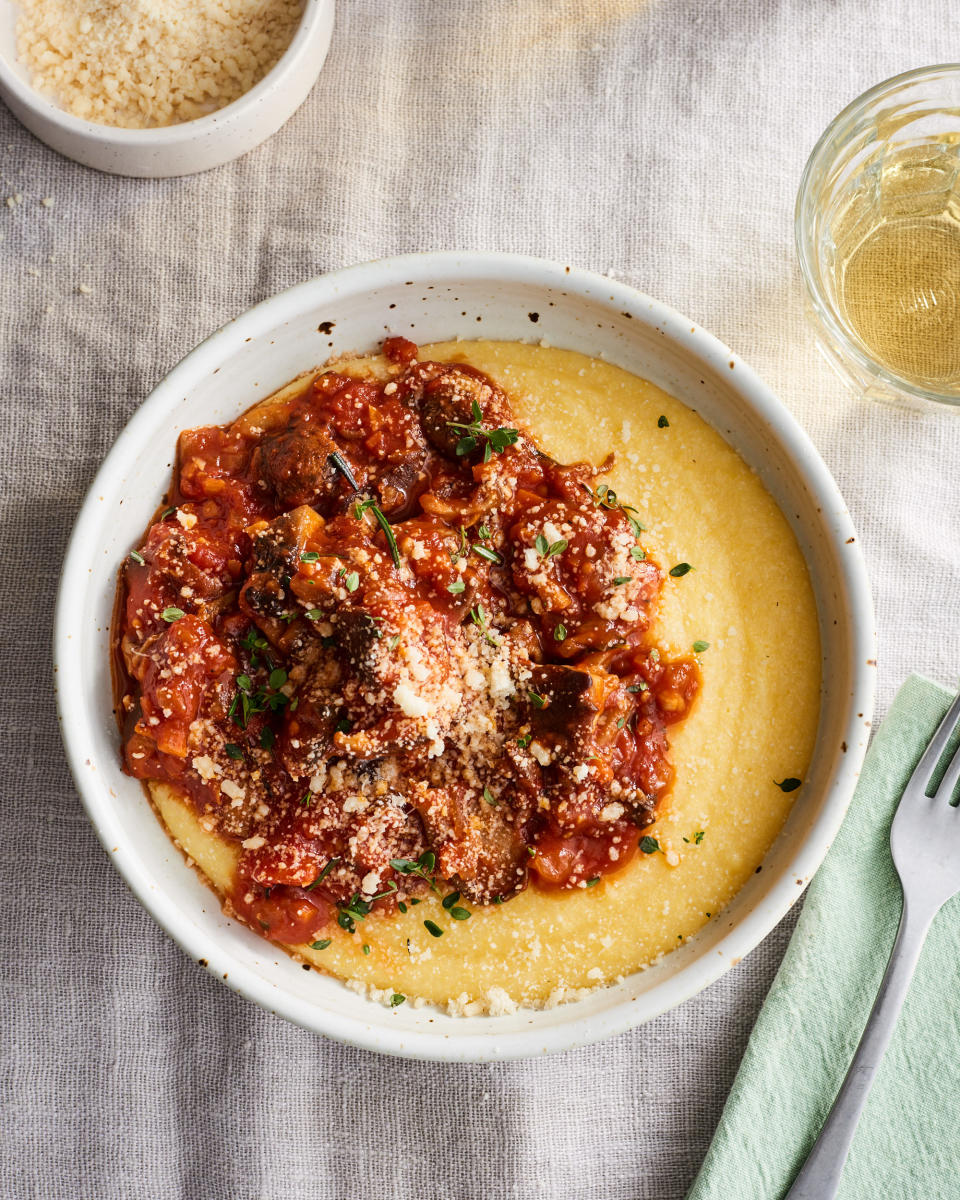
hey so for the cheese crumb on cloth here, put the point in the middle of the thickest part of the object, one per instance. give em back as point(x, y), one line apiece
point(144, 63)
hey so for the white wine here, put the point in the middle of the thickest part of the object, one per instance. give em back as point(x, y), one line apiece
point(896, 265)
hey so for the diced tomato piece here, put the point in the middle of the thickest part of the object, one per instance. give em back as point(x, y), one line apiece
point(569, 861)
point(213, 465)
point(283, 914)
point(186, 660)
point(400, 350)
point(289, 860)
point(676, 688)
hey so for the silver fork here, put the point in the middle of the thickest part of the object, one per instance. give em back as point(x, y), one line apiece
point(925, 843)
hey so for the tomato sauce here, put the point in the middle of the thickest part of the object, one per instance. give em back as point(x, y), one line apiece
point(385, 644)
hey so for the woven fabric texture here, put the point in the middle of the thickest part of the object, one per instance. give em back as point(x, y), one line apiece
point(659, 140)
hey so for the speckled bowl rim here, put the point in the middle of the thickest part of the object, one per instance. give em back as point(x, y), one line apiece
point(471, 1039)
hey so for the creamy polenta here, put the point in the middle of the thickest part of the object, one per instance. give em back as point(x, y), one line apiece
point(746, 606)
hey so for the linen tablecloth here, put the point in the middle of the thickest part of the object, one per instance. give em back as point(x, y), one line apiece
point(660, 141)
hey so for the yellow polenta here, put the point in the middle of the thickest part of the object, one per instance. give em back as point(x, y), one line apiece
point(749, 597)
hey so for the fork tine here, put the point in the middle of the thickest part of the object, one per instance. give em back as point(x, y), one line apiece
point(950, 778)
point(931, 756)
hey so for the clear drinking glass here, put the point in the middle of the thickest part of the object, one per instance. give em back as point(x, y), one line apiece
point(878, 235)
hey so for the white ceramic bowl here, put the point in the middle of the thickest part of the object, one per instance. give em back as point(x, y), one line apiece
point(181, 149)
point(431, 297)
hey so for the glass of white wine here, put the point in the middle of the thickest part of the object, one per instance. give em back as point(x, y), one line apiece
point(878, 235)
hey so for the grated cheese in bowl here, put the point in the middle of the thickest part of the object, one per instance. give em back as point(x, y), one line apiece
point(140, 64)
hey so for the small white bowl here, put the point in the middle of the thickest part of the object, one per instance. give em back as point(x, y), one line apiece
point(182, 149)
point(432, 297)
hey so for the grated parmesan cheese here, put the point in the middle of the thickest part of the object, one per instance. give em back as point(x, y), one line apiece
point(205, 767)
point(143, 63)
point(541, 754)
point(495, 1002)
point(409, 703)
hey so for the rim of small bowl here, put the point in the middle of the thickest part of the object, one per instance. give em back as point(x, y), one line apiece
point(582, 1028)
point(807, 253)
point(315, 12)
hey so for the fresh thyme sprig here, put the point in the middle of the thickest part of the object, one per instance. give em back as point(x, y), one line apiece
point(359, 908)
point(495, 440)
point(249, 700)
point(363, 506)
point(421, 867)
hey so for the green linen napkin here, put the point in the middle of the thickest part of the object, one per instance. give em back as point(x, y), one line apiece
point(907, 1146)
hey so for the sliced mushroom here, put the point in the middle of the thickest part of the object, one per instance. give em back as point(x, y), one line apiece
point(277, 548)
point(564, 698)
